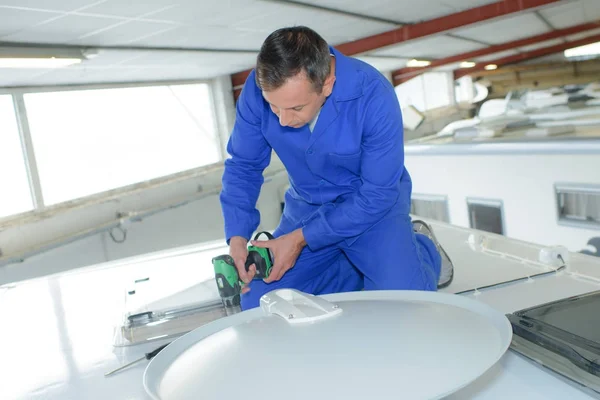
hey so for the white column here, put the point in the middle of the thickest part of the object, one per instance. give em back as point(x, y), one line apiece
point(29, 155)
point(224, 108)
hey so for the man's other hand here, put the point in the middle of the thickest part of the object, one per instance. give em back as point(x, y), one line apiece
point(285, 250)
point(238, 250)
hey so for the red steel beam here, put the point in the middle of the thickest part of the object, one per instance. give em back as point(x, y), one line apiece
point(441, 24)
point(404, 74)
point(422, 29)
point(529, 55)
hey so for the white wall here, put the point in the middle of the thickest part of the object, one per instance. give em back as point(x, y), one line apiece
point(523, 181)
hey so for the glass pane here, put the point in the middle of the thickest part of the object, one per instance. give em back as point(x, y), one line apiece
point(578, 316)
point(16, 195)
point(580, 206)
point(433, 209)
point(562, 335)
point(486, 218)
point(91, 141)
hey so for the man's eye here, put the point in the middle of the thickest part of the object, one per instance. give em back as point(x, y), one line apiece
point(298, 108)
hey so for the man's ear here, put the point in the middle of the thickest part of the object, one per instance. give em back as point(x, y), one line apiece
point(328, 85)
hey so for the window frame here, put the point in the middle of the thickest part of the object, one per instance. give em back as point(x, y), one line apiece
point(40, 209)
point(489, 202)
point(583, 188)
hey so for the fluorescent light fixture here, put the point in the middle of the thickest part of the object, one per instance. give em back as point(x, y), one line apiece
point(467, 64)
point(31, 62)
point(418, 63)
point(39, 57)
point(588, 50)
point(491, 67)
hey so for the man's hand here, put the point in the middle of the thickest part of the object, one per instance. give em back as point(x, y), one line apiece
point(238, 250)
point(285, 249)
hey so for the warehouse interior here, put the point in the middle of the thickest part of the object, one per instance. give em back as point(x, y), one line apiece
point(115, 119)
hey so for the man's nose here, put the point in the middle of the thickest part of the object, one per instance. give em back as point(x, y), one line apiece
point(284, 118)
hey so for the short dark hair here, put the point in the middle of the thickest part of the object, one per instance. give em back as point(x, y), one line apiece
point(289, 51)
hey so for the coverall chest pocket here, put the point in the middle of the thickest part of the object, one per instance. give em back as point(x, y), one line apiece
point(343, 166)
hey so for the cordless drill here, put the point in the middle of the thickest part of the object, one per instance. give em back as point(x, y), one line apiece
point(227, 277)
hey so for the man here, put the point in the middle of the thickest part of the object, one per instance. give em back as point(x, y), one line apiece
point(336, 125)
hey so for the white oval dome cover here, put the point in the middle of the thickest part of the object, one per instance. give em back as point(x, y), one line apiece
point(359, 345)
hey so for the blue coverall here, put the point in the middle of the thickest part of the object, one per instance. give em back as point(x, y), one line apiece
point(349, 188)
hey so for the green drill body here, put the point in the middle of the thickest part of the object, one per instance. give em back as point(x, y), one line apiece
point(227, 277)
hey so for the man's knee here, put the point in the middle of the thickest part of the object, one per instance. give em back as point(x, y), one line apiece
point(391, 257)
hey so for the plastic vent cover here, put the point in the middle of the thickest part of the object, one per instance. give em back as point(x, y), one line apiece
point(359, 345)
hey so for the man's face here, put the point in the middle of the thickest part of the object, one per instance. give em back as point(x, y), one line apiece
point(296, 102)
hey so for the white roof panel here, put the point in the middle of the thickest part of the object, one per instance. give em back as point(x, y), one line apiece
point(505, 29)
point(434, 47)
point(571, 13)
point(384, 63)
point(540, 45)
point(496, 56)
point(14, 20)
point(242, 25)
point(61, 29)
point(406, 11)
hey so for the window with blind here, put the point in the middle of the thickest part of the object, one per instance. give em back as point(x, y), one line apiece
point(578, 204)
point(430, 206)
point(486, 215)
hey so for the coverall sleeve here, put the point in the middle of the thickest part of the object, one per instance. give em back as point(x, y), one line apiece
point(382, 165)
point(250, 154)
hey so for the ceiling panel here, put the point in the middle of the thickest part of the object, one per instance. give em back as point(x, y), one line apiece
point(215, 13)
point(447, 68)
point(201, 36)
point(14, 20)
point(496, 56)
point(239, 25)
point(61, 30)
point(337, 31)
point(505, 29)
point(439, 46)
point(541, 45)
point(583, 35)
point(56, 5)
point(384, 63)
point(404, 11)
point(129, 9)
point(334, 27)
point(557, 57)
point(572, 13)
point(121, 33)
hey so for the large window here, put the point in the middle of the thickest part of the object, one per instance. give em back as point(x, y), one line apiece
point(579, 205)
point(16, 195)
point(91, 141)
point(430, 206)
point(486, 215)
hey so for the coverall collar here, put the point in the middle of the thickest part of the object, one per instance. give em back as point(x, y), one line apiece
point(347, 84)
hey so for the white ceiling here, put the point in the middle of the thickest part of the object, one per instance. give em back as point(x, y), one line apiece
point(172, 39)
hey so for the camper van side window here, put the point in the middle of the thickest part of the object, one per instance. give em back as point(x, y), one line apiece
point(486, 215)
point(430, 206)
point(578, 205)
